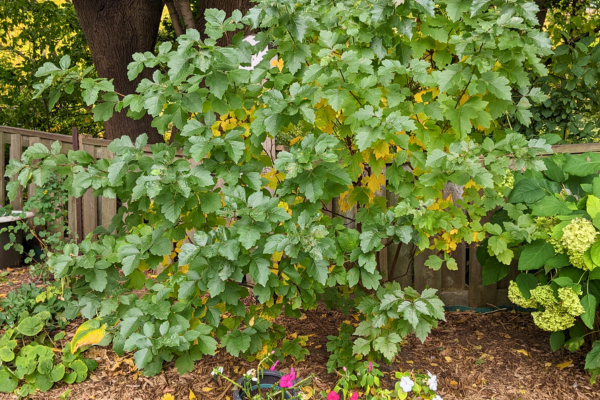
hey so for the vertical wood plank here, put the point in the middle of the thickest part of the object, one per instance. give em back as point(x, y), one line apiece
point(456, 280)
point(16, 150)
point(31, 187)
point(479, 295)
point(90, 203)
point(402, 272)
point(2, 169)
point(108, 207)
point(424, 276)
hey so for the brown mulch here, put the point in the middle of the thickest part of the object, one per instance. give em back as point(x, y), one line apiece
point(15, 278)
point(499, 356)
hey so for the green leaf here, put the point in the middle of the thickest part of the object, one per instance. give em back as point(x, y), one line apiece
point(527, 191)
point(526, 283)
point(535, 255)
point(8, 381)
point(426, 6)
point(593, 205)
point(260, 270)
point(370, 241)
point(493, 271)
point(579, 165)
point(184, 363)
point(434, 262)
point(595, 253)
point(30, 326)
point(556, 340)
point(550, 206)
point(218, 83)
point(236, 342)
point(592, 360)
point(589, 304)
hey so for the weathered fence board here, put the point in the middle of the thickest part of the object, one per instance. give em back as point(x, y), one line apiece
point(462, 287)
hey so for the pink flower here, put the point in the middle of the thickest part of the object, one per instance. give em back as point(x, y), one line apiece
point(370, 366)
point(287, 381)
point(345, 369)
point(274, 366)
point(354, 396)
point(333, 396)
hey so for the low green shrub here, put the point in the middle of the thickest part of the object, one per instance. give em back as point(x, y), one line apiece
point(550, 227)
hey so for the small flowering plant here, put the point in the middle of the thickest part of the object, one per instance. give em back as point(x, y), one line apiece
point(364, 378)
point(365, 384)
point(256, 384)
point(416, 386)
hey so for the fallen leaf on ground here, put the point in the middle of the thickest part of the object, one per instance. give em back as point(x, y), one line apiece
point(564, 365)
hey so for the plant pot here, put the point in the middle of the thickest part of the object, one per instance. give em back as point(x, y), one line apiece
point(10, 258)
point(268, 379)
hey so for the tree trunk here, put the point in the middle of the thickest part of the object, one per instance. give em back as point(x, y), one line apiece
point(229, 6)
point(115, 30)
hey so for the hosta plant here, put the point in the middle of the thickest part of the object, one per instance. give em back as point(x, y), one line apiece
point(411, 96)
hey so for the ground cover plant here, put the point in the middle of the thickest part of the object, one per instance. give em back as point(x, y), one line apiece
point(383, 90)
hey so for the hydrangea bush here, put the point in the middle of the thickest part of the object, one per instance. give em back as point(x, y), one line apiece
point(551, 225)
point(411, 96)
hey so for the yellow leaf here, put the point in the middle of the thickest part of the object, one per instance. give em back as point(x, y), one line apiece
point(381, 149)
point(564, 365)
point(374, 182)
point(410, 362)
point(524, 352)
point(277, 256)
point(192, 395)
point(167, 396)
point(206, 389)
point(470, 184)
point(448, 359)
point(184, 268)
point(547, 365)
point(454, 383)
point(295, 140)
point(89, 333)
point(278, 64)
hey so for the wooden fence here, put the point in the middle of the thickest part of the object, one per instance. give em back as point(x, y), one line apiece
point(462, 287)
point(95, 211)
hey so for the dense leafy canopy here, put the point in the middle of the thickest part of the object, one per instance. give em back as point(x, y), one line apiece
point(405, 92)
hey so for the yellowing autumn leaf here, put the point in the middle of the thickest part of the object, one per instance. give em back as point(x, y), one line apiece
point(89, 333)
point(278, 64)
point(381, 149)
point(192, 395)
point(564, 365)
point(524, 352)
point(167, 396)
point(295, 140)
point(375, 182)
point(206, 389)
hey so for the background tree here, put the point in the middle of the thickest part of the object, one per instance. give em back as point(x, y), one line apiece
point(32, 33)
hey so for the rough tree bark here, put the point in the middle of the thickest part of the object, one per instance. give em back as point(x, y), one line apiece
point(115, 29)
point(229, 6)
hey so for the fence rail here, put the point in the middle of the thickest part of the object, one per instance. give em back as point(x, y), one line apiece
point(462, 287)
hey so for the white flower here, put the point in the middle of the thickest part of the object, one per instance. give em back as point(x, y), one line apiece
point(432, 382)
point(216, 371)
point(436, 398)
point(406, 384)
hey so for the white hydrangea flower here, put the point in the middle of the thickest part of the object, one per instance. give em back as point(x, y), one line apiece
point(406, 384)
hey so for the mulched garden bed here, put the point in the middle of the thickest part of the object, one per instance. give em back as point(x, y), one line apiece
point(500, 356)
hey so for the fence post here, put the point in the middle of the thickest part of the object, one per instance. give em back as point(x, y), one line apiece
point(78, 203)
point(16, 150)
point(2, 169)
